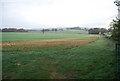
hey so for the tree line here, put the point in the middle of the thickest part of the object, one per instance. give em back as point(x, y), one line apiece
point(97, 31)
point(13, 30)
point(114, 30)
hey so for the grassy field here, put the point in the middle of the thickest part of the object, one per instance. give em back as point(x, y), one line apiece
point(57, 55)
point(18, 36)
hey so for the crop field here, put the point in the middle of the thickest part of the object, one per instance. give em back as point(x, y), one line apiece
point(68, 54)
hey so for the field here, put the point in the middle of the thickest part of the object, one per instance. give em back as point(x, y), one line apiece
point(69, 54)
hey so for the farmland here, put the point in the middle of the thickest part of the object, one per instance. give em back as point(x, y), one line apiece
point(69, 54)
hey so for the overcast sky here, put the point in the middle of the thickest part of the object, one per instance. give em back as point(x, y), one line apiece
point(57, 13)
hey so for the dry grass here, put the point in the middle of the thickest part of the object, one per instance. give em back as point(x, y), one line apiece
point(42, 44)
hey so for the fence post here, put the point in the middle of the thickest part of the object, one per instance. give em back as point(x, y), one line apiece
point(117, 49)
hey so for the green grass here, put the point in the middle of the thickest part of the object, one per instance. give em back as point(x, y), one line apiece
point(88, 61)
point(17, 36)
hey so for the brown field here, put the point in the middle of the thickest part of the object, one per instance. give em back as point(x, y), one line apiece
point(40, 44)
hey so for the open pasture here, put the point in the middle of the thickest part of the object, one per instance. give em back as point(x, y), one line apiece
point(57, 55)
point(22, 36)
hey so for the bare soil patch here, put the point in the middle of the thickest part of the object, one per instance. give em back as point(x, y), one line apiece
point(34, 41)
point(35, 45)
point(45, 41)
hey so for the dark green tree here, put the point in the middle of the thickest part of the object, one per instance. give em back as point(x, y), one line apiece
point(97, 30)
point(43, 30)
point(116, 29)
